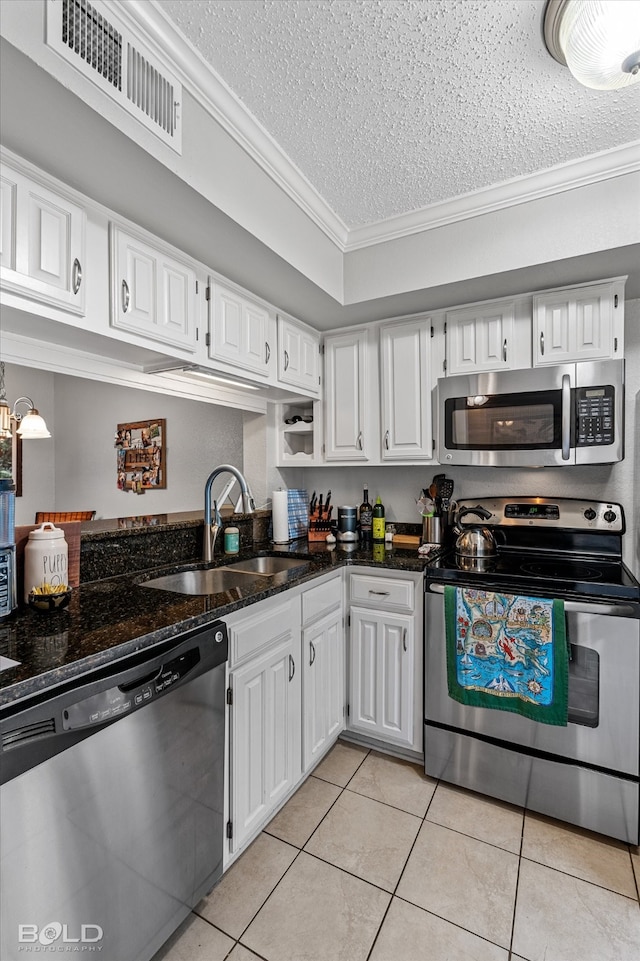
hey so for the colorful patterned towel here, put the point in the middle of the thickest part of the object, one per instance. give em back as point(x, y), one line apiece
point(507, 652)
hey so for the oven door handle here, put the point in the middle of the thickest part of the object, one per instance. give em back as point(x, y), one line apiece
point(574, 607)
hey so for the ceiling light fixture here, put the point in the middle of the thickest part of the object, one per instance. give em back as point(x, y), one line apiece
point(31, 425)
point(598, 40)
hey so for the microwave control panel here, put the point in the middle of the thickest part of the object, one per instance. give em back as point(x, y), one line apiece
point(595, 416)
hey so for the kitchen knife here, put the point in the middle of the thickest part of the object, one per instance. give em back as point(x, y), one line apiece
point(326, 506)
point(320, 506)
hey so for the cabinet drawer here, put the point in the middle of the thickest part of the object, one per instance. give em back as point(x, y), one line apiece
point(257, 631)
point(384, 592)
point(321, 599)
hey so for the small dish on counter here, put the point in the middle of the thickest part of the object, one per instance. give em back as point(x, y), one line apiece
point(50, 602)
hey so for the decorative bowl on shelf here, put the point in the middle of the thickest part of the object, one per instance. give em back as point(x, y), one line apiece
point(55, 601)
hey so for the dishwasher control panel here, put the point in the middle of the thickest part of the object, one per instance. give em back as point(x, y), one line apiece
point(125, 698)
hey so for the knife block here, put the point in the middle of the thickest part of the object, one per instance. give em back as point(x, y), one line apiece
point(318, 527)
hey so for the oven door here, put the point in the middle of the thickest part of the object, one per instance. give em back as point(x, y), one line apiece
point(604, 690)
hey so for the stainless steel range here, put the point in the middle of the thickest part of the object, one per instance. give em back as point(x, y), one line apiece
point(587, 772)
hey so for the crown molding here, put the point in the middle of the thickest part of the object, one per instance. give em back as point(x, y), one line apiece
point(212, 93)
point(220, 102)
point(605, 165)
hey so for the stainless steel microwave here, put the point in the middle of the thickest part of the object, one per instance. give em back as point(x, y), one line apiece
point(541, 417)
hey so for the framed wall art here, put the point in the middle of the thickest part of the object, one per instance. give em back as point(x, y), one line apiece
point(141, 455)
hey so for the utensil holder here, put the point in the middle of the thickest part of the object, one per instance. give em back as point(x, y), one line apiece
point(431, 529)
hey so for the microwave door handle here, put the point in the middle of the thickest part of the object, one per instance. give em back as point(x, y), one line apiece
point(566, 417)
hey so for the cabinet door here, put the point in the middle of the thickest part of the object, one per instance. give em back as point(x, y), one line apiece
point(406, 391)
point(153, 294)
point(239, 331)
point(43, 243)
point(574, 325)
point(8, 221)
point(265, 736)
point(480, 338)
point(298, 356)
point(381, 675)
point(322, 686)
point(347, 403)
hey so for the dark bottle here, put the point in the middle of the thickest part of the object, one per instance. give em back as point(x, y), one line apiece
point(365, 516)
point(378, 521)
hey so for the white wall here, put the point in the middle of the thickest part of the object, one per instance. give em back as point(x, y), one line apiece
point(76, 469)
point(399, 487)
point(38, 456)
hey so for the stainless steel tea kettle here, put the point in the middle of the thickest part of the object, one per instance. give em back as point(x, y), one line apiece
point(474, 542)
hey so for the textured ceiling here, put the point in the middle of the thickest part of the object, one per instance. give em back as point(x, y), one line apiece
point(388, 106)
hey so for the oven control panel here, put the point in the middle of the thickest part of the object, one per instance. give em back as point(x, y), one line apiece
point(546, 512)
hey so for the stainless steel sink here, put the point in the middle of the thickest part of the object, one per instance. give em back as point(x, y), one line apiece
point(267, 566)
point(219, 579)
point(199, 582)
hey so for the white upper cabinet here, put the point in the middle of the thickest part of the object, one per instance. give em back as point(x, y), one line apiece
point(298, 355)
point(153, 291)
point(579, 323)
point(350, 411)
point(241, 332)
point(43, 242)
point(406, 391)
point(489, 336)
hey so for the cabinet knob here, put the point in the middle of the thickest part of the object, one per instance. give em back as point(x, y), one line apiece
point(126, 297)
point(76, 276)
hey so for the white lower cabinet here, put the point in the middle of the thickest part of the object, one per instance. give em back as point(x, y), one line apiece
point(385, 659)
point(382, 649)
point(265, 718)
point(286, 697)
point(322, 686)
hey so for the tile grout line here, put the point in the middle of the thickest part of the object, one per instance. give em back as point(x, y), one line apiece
point(515, 897)
point(299, 852)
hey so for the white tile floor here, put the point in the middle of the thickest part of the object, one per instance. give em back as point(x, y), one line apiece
point(373, 861)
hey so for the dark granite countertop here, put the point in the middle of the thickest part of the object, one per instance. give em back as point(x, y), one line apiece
point(112, 618)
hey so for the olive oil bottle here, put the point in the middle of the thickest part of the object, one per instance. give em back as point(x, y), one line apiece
point(378, 521)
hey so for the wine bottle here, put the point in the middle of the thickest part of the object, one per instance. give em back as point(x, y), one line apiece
point(378, 521)
point(365, 516)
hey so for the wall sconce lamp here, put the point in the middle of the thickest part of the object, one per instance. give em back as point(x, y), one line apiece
point(30, 424)
point(598, 40)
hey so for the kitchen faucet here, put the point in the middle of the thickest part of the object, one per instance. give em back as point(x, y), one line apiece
point(213, 525)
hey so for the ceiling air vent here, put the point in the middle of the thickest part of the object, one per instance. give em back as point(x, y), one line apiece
point(91, 38)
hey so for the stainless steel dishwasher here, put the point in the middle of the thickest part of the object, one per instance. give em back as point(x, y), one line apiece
point(111, 803)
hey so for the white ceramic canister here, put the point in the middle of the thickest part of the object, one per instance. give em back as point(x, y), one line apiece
point(46, 558)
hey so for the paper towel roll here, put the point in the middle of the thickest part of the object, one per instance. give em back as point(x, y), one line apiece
point(280, 516)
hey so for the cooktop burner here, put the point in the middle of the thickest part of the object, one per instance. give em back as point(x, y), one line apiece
point(563, 569)
point(525, 572)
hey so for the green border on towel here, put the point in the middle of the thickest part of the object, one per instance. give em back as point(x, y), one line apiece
point(554, 713)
